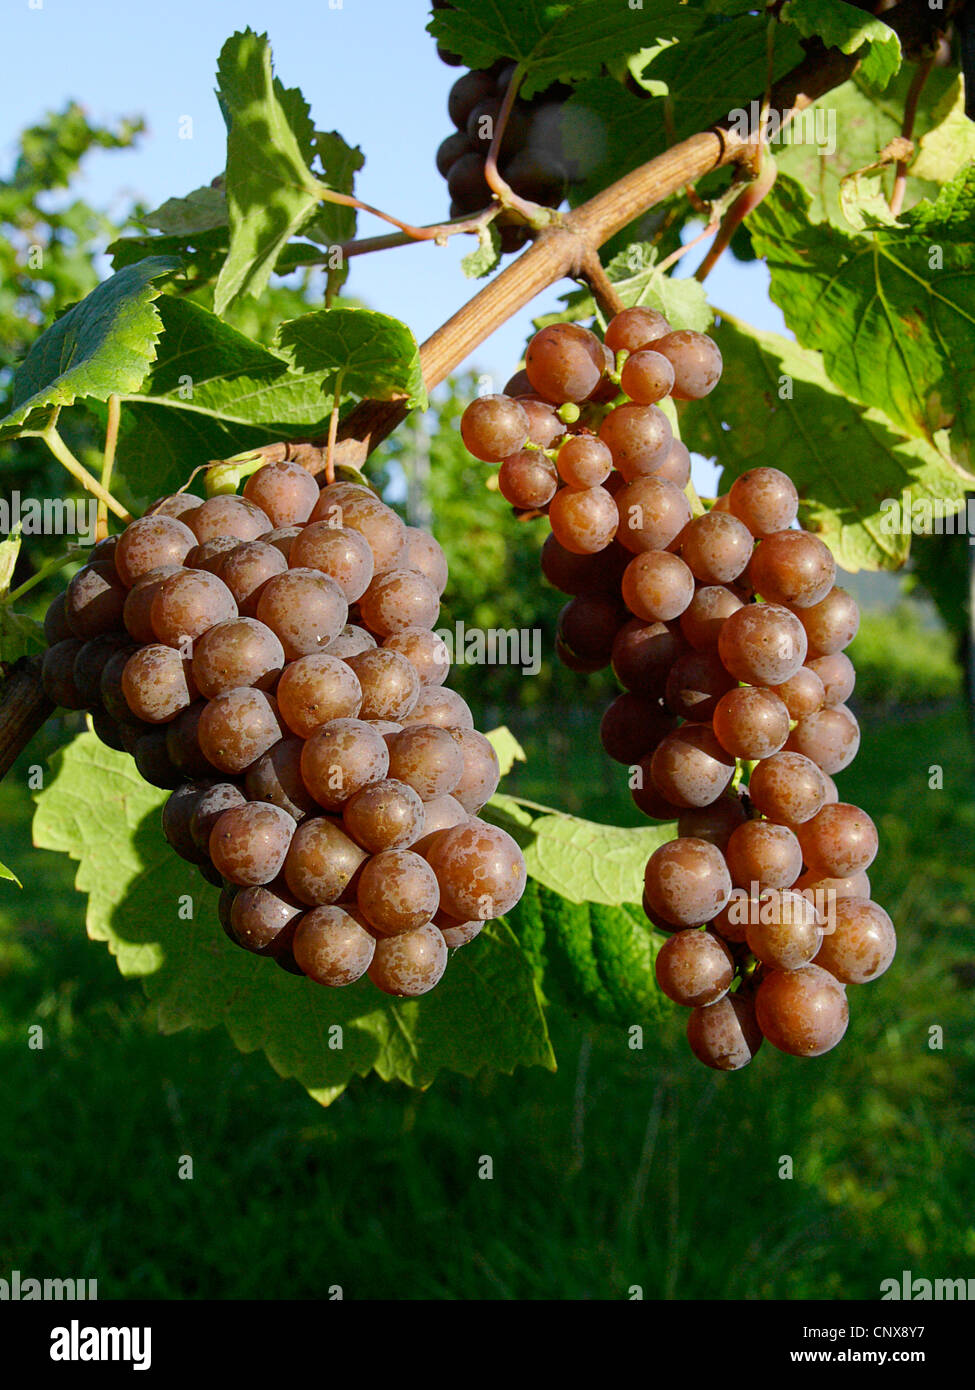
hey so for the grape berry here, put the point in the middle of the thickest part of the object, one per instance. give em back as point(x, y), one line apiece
point(727, 632)
point(270, 660)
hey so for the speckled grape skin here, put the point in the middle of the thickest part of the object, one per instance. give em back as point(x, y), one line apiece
point(839, 840)
point(482, 772)
point(397, 891)
point(583, 520)
point(248, 844)
point(694, 968)
point(385, 815)
point(322, 862)
point(765, 499)
point(137, 609)
point(157, 683)
point(716, 547)
point(390, 684)
point(657, 586)
point(213, 800)
point(379, 524)
point(454, 932)
point(258, 916)
point(424, 650)
point(803, 1012)
point(338, 551)
point(285, 492)
point(94, 601)
point(410, 964)
point(436, 705)
point(794, 568)
point(340, 758)
point(331, 947)
point(480, 869)
point(227, 516)
point(639, 438)
point(238, 652)
point(703, 618)
point(830, 737)
point(695, 684)
point(862, 943)
point(237, 727)
point(316, 689)
point(440, 813)
point(397, 600)
point(713, 823)
point(690, 768)
point(246, 568)
point(803, 693)
point(652, 513)
point(351, 641)
point(276, 777)
point(832, 623)
point(784, 930)
point(725, 1036)
point(188, 603)
point(751, 722)
point(151, 542)
point(427, 759)
point(424, 553)
point(763, 644)
point(837, 677)
point(687, 881)
point(306, 609)
point(788, 788)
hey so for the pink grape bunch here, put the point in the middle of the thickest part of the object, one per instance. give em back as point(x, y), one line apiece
point(727, 633)
point(270, 660)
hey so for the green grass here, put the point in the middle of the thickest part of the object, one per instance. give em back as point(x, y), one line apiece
point(625, 1168)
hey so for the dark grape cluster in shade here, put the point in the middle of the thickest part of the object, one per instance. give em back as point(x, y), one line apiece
point(531, 159)
point(270, 660)
point(726, 632)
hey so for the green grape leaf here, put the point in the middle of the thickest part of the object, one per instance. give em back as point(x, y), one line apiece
point(103, 345)
point(200, 211)
point(849, 29)
point(159, 920)
point(6, 874)
point(374, 355)
point(810, 150)
point(333, 224)
point(507, 747)
point(775, 405)
point(891, 309)
point(558, 42)
point(591, 955)
point(212, 393)
point(477, 264)
point(637, 281)
point(581, 860)
point(198, 255)
point(271, 192)
point(19, 636)
point(688, 86)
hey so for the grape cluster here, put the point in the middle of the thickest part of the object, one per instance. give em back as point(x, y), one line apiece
point(531, 159)
point(270, 660)
point(726, 632)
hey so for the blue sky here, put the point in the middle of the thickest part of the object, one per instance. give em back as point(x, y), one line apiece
point(369, 70)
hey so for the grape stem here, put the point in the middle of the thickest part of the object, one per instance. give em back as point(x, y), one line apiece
point(559, 250)
point(921, 73)
point(77, 469)
point(108, 462)
point(533, 213)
